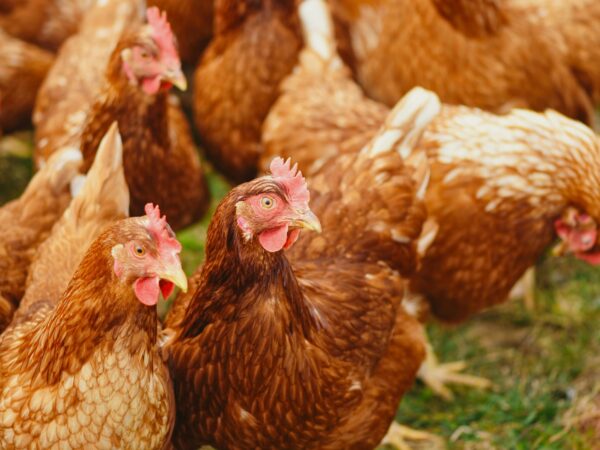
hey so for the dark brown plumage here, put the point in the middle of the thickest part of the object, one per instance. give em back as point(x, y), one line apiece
point(161, 162)
point(311, 348)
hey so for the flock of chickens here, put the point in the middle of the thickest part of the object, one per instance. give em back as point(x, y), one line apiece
point(381, 207)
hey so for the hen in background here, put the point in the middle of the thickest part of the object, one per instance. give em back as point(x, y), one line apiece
point(309, 347)
point(119, 69)
point(498, 184)
point(85, 370)
point(45, 23)
point(192, 22)
point(255, 46)
point(102, 199)
point(576, 25)
point(23, 67)
point(491, 54)
point(27, 221)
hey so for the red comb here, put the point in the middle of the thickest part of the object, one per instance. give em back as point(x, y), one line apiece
point(291, 178)
point(161, 32)
point(160, 229)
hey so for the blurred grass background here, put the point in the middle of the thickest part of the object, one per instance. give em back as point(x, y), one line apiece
point(545, 364)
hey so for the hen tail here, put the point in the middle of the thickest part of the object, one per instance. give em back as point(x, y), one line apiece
point(320, 50)
point(371, 203)
point(102, 199)
point(402, 130)
point(105, 184)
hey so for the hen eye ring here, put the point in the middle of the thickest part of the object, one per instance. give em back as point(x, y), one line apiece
point(139, 251)
point(267, 202)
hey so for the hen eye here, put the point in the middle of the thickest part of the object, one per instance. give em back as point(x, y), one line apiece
point(267, 202)
point(139, 250)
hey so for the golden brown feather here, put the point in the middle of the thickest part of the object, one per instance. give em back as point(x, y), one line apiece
point(27, 221)
point(255, 46)
point(23, 68)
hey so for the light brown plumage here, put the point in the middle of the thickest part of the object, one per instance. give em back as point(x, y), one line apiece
point(82, 368)
point(102, 200)
point(27, 221)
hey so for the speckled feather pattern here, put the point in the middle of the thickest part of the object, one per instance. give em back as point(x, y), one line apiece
point(492, 178)
point(237, 78)
point(116, 399)
point(512, 63)
point(253, 378)
point(86, 372)
point(498, 183)
point(315, 349)
point(22, 71)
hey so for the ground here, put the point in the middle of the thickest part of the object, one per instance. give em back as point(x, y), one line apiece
point(545, 363)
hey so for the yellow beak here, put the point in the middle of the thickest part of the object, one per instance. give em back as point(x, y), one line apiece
point(308, 221)
point(177, 276)
point(177, 78)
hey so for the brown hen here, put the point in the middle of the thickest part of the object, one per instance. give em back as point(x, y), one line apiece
point(491, 54)
point(46, 23)
point(309, 348)
point(86, 371)
point(192, 22)
point(23, 68)
point(498, 183)
point(27, 221)
point(128, 70)
point(255, 46)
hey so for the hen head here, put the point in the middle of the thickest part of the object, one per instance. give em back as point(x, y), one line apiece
point(148, 258)
point(152, 60)
point(578, 233)
point(275, 208)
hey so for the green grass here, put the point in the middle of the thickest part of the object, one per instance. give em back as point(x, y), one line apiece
point(544, 364)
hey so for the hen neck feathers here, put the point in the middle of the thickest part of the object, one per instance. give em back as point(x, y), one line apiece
point(239, 277)
point(96, 310)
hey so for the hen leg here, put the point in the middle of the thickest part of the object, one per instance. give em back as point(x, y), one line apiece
point(436, 375)
point(525, 289)
point(400, 437)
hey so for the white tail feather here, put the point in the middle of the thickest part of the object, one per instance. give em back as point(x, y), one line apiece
point(406, 123)
point(317, 27)
point(77, 184)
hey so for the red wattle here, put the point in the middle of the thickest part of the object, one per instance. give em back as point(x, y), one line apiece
point(273, 240)
point(147, 290)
